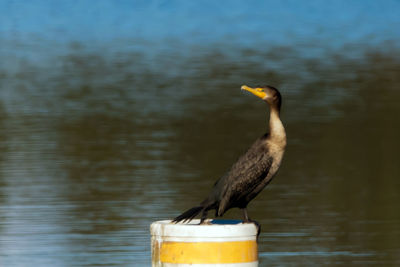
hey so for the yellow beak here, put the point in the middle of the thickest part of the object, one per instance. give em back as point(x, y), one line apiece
point(255, 91)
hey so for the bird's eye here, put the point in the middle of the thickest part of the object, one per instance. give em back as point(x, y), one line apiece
point(260, 89)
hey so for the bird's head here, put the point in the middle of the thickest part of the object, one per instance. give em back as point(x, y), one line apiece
point(267, 93)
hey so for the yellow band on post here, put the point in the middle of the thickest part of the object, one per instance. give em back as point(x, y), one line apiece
point(208, 252)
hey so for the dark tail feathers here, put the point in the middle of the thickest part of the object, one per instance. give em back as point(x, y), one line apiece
point(189, 214)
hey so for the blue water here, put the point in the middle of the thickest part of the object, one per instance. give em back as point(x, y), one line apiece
point(199, 22)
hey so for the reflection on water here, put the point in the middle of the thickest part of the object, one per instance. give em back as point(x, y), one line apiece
point(95, 146)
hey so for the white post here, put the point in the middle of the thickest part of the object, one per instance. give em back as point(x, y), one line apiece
point(218, 243)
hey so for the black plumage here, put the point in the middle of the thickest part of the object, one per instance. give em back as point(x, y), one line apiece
point(252, 171)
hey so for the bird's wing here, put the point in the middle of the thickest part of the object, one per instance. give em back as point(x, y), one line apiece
point(245, 175)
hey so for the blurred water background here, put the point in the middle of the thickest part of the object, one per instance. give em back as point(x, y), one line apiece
point(114, 114)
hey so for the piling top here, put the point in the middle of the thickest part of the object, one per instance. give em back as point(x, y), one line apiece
point(212, 229)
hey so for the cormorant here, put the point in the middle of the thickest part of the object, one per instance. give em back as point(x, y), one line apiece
point(253, 170)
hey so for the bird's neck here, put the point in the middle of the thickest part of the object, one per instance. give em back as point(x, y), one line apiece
point(276, 129)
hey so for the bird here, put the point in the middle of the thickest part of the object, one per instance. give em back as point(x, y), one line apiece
point(252, 172)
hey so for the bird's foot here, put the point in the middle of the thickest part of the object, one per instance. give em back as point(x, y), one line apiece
point(205, 222)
